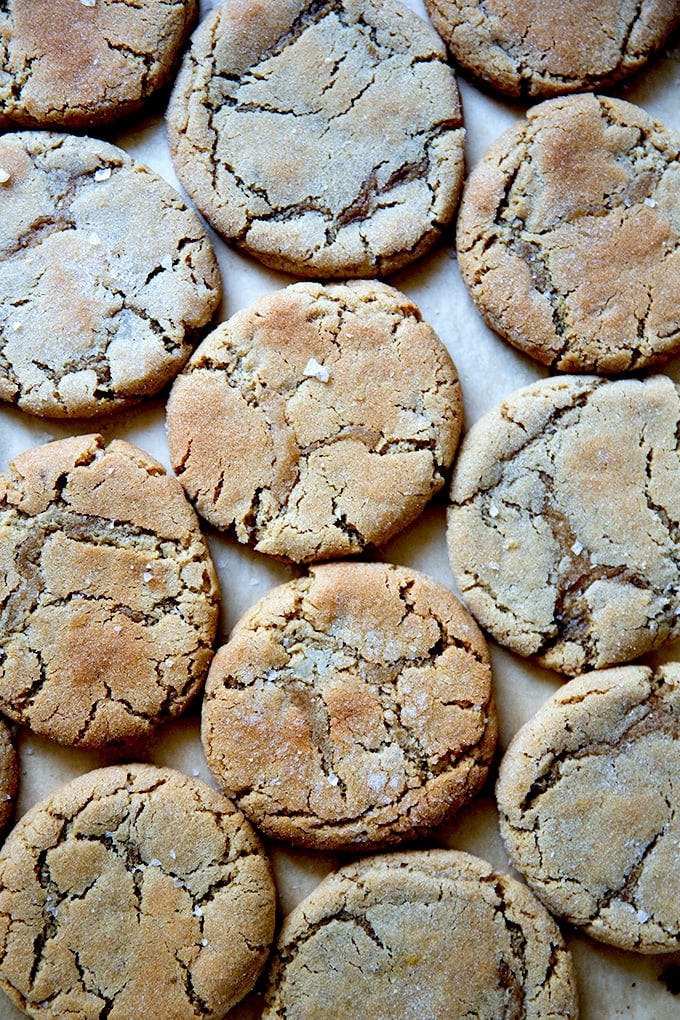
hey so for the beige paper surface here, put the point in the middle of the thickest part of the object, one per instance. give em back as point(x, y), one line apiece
point(611, 983)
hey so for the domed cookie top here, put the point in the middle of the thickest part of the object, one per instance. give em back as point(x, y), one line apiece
point(569, 236)
point(564, 520)
point(114, 893)
point(352, 707)
point(547, 47)
point(318, 421)
point(106, 277)
point(109, 596)
point(75, 63)
point(589, 795)
point(323, 138)
point(424, 934)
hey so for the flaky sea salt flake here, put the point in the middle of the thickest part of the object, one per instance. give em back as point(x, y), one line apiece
point(5, 175)
point(103, 174)
point(315, 370)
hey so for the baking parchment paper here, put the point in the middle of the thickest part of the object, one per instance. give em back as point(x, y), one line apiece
point(611, 983)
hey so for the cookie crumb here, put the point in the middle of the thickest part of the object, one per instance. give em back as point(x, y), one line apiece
point(314, 369)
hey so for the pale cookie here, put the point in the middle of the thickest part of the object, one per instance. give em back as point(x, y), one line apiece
point(318, 421)
point(569, 236)
point(9, 775)
point(351, 707)
point(133, 893)
point(418, 936)
point(532, 48)
point(108, 595)
point(106, 277)
point(325, 139)
point(589, 796)
point(564, 524)
point(75, 63)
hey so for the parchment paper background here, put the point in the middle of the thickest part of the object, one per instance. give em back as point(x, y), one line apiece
point(611, 983)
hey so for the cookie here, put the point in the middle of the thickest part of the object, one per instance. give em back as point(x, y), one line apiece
point(547, 47)
point(351, 707)
point(569, 236)
point(599, 767)
point(106, 277)
point(75, 63)
point(317, 422)
point(109, 596)
point(9, 775)
point(325, 139)
point(420, 935)
point(563, 529)
point(114, 893)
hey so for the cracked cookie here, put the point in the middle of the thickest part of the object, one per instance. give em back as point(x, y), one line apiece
point(589, 792)
point(9, 775)
point(324, 137)
point(108, 595)
point(532, 48)
point(317, 422)
point(114, 893)
point(75, 63)
point(569, 236)
point(351, 707)
point(106, 277)
point(564, 524)
point(420, 935)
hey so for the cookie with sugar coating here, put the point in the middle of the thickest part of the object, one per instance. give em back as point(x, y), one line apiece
point(599, 765)
point(318, 421)
point(325, 139)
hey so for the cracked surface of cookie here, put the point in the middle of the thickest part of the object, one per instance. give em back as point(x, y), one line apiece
point(532, 48)
point(106, 277)
point(9, 775)
point(119, 862)
point(563, 529)
point(599, 767)
point(318, 421)
point(74, 64)
point(108, 597)
point(423, 934)
point(569, 236)
point(351, 707)
point(322, 136)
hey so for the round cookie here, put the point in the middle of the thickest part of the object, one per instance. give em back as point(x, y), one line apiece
point(569, 236)
point(9, 775)
point(534, 48)
point(75, 63)
point(589, 792)
point(563, 529)
point(318, 421)
point(114, 893)
point(325, 139)
point(109, 596)
point(424, 934)
point(351, 707)
point(106, 277)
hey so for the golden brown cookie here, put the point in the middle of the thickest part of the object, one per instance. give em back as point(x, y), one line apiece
point(563, 528)
point(75, 63)
point(133, 892)
point(569, 236)
point(548, 47)
point(589, 796)
point(318, 421)
point(325, 139)
point(106, 277)
point(423, 935)
point(109, 596)
point(9, 775)
point(351, 707)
